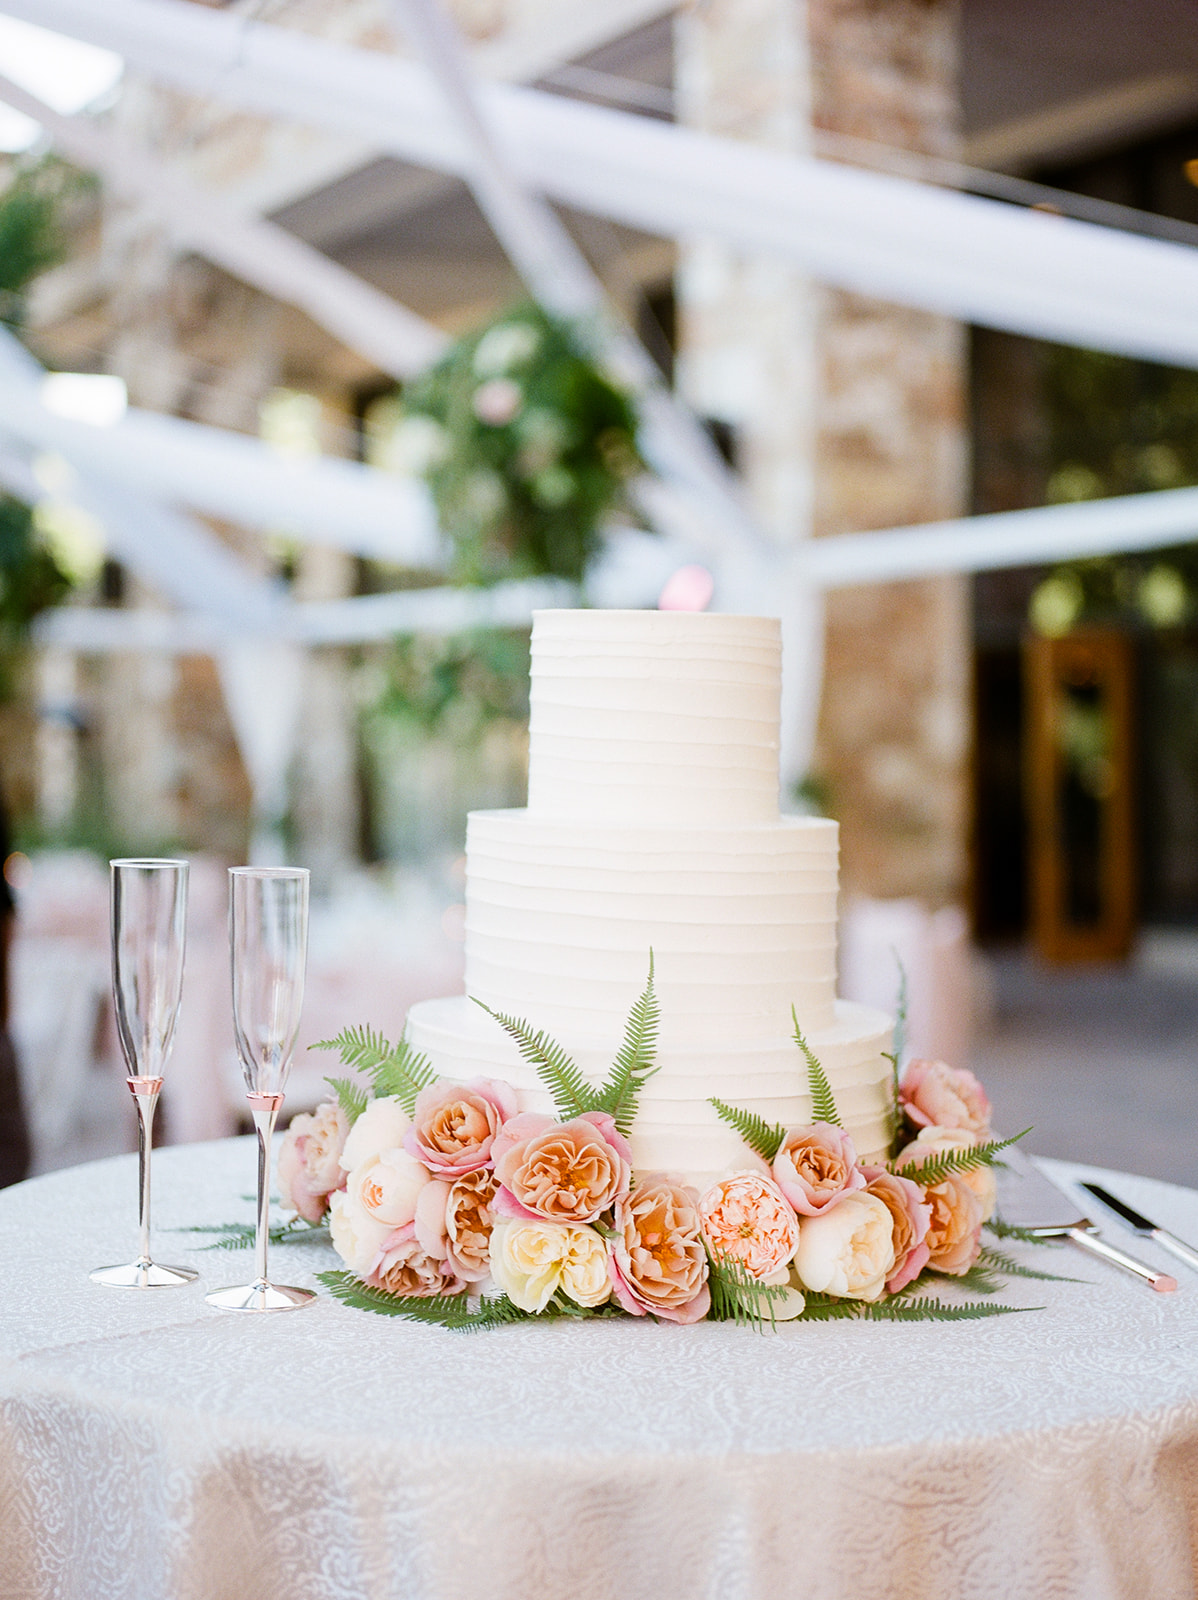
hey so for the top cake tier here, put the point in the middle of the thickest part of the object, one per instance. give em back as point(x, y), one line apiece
point(645, 716)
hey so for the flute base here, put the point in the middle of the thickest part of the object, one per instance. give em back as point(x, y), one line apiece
point(260, 1296)
point(143, 1274)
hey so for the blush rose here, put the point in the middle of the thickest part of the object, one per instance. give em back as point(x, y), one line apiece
point(658, 1261)
point(454, 1125)
point(816, 1167)
point(911, 1215)
point(955, 1232)
point(935, 1095)
point(309, 1164)
point(562, 1171)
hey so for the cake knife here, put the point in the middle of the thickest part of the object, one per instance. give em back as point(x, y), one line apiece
point(1030, 1200)
point(1141, 1224)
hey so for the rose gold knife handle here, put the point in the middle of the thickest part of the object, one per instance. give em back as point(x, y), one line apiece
point(1175, 1247)
point(1160, 1281)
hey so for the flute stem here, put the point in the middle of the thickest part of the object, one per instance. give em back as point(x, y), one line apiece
point(265, 1109)
point(145, 1097)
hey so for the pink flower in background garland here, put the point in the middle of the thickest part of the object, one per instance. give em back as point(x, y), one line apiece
point(309, 1165)
point(933, 1094)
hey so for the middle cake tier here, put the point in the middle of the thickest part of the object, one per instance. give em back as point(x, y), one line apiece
point(560, 919)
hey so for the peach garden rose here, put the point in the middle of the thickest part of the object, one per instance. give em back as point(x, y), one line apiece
point(405, 1267)
point(816, 1167)
point(911, 1215)
point(468, 1223)
point(955, 1231)
point(562, 1171)
point(746, 1216)
point(387, 1186)
point(454, 1125)
point(309, 1163)
point(931, 1141)
point(658, 1262)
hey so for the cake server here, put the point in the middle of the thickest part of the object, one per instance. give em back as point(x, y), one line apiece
point(1029, 1200)
point(1140, 1224)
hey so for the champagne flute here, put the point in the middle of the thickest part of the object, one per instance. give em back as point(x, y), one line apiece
point(149, 930)
point(268, 939)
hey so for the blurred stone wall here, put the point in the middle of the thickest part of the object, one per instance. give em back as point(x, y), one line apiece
point(850, 413)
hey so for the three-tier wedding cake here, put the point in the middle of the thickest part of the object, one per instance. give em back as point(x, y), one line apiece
point(653, 823)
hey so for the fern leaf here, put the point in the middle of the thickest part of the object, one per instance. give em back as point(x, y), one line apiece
point(1009, 1230)
point(352, 1097)
point(827, 1308)
point(445, 1310)
point(1000, 1261)
point(980, 1278)
point(572, 1093)
point(760, 1135)
point(738, 1297)
point(633, 1065)
point(393, 1069)
point(243, 1235)
point(823, 1106)
point(935, 1310)
point(947, 1162)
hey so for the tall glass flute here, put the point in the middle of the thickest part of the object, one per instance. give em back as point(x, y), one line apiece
point(268, 939)
point(149, 923)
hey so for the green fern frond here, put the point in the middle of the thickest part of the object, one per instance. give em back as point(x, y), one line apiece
point(827, 1308)
point(1000, 1261)
point(445, 1310)
point(935, 1310)
point(633, 1065)
point(352, 1097)
point(823, 1106)
point(572, 1093)
point(1009, 1230)
point(947, 1162)
point(393, 1069)
point(762, 1136)
point(738, 1297)
point(243, 1235)
point(980, 1279)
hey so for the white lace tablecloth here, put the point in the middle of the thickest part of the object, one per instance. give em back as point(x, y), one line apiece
point(154, 1449)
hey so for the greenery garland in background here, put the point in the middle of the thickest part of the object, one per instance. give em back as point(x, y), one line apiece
point(526, 446)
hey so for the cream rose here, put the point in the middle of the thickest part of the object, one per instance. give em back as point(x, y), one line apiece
point(847, 1250)
point(380, 1127)
point(530, 1261)
point(933, 1094)
point(562, 1171)
point(748, 1219)
point(816, 1166)
point(658, 1260)
point(388, 1186)
point(357, 1237)
point(309, 1163)
point(931, 1141)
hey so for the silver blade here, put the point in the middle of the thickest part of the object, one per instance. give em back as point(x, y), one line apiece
point(1134, 1219)
point(1027, 1199)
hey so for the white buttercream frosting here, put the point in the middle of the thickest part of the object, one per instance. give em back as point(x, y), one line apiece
point(653, 824)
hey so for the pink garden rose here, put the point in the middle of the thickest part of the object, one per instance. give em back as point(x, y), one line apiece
point(816, 1166)
point(405, 1267)
point(562, 1171)
point(309, 1168)
point(658, 1262)
point(455, 1124)
point(934, 1094)
point(747, 1218)
point(912, 1216)
point(469, 1222)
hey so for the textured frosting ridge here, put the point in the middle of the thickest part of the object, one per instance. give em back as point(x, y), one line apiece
point(653, 823)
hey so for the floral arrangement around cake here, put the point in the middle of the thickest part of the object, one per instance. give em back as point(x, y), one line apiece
point(449, 1205)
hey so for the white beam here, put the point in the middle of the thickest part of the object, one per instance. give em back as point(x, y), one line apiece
point(954, 254)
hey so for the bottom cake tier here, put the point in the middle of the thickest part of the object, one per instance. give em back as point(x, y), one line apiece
point(677, 1130)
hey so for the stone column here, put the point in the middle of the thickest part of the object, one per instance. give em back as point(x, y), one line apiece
point(849, 414)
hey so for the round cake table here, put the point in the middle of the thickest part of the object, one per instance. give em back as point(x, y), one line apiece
point(155, 1449)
